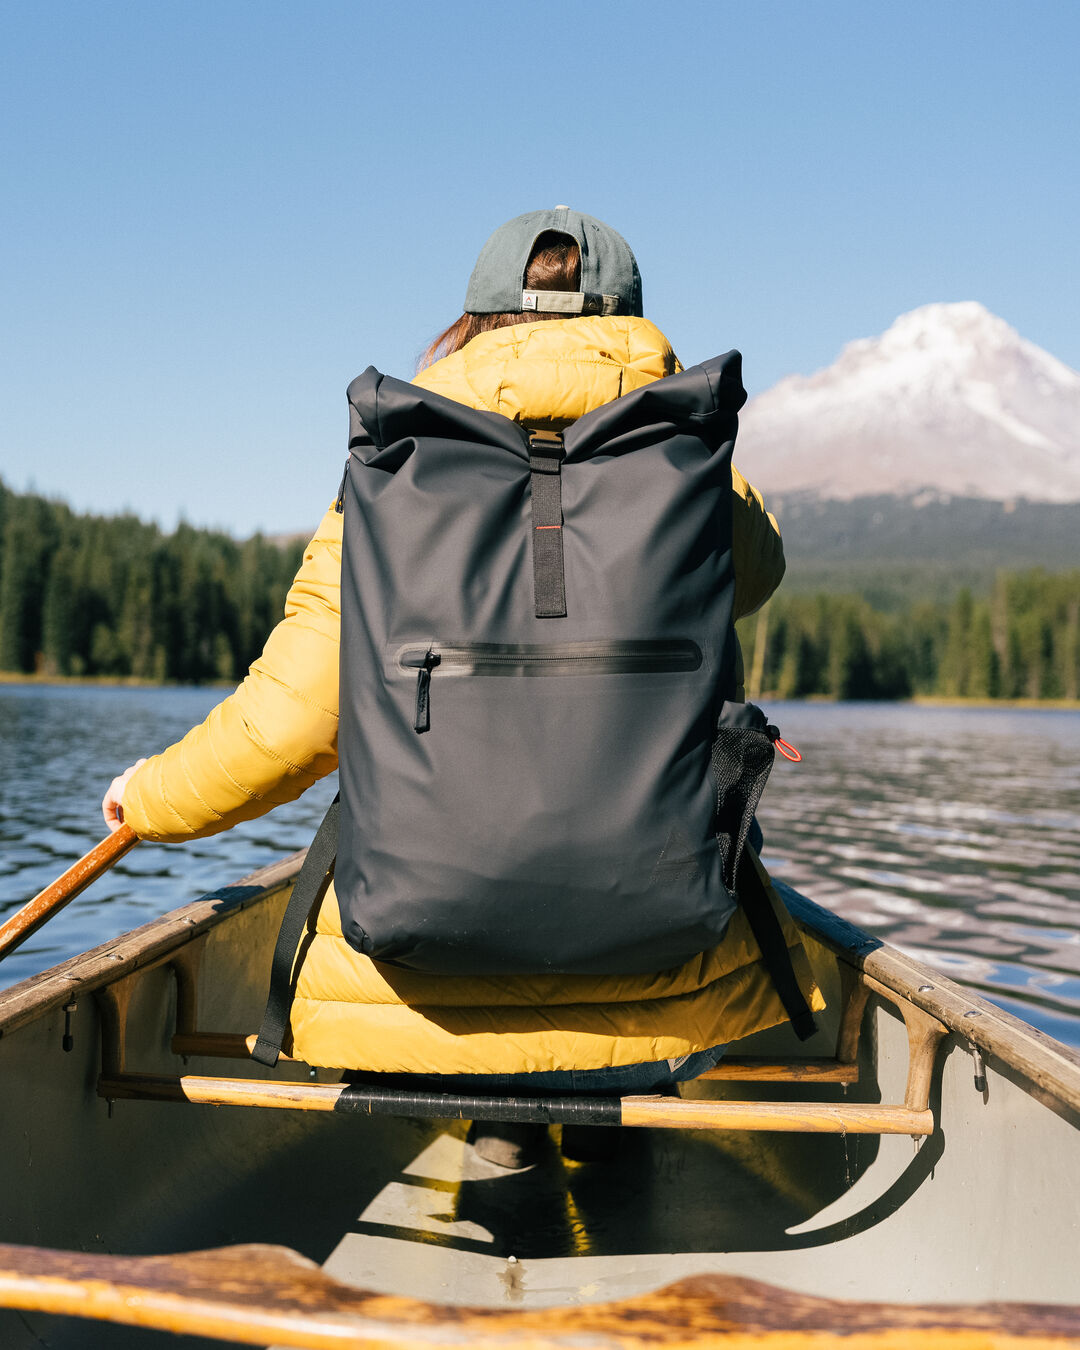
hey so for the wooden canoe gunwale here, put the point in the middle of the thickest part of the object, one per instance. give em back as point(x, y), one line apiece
point(1046, 1063)
point(142, 947)
point(254, 1293)
point(1052, 1068)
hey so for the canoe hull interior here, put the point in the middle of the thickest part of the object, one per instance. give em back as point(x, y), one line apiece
point(985, 1208)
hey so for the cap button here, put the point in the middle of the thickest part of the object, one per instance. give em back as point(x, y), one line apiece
point(562, 208)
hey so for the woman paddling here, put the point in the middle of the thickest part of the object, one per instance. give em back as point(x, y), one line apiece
point(513, 351)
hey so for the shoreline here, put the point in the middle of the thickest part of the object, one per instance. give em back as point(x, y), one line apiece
point(945, 701)
point(15, 677)
point(8, 677)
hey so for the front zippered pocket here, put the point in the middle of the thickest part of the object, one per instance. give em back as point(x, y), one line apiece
point(630, 656)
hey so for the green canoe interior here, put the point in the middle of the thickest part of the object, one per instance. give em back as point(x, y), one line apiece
point(985, 1208)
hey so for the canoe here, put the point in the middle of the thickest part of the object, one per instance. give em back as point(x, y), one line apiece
point(910, 1175)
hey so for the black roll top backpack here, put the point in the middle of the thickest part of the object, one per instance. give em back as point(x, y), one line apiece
point(542, 767)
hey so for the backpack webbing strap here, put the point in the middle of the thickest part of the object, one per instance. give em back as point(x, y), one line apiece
point(769, 936)
point(549, 582)
point(308, 889)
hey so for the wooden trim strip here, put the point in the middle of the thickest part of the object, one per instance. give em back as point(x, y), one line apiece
point(655, 1112)
point(220, 1045)
point(258, 1294)
point(750, 1069)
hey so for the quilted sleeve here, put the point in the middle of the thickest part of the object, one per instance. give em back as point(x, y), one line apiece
point(756, 545)
point(272, 738)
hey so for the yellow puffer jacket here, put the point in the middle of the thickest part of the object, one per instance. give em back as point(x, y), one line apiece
point(278, 733)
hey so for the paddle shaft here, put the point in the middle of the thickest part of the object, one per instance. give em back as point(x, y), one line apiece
point(55, 896)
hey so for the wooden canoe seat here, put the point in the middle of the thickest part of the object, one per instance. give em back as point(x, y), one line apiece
point(733, 1068)
point(256, 1294)
point(372, 1097)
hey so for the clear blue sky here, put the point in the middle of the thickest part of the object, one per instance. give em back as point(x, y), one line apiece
point(215, 213)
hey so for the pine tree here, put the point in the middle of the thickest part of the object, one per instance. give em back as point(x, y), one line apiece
point(29, 534)
point(58, 613)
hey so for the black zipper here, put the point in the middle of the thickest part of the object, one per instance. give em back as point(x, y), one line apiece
point(601, 657)
point(423, 662)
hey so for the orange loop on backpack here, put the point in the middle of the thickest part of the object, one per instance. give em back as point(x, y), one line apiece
point(788, 751)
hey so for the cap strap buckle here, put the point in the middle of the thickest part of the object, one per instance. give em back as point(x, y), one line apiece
point(568, 302)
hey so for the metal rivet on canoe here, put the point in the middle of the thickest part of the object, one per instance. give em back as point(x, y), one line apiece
point(925, 988)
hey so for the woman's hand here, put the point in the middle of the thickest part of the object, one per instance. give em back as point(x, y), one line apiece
point(112, 807)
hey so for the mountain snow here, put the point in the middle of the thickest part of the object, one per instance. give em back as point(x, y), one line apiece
point(949, 399)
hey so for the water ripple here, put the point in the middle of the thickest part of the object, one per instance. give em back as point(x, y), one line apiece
point(952, 833)
point(59, 747)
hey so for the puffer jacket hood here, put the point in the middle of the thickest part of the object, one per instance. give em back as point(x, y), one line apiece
point(553, 371)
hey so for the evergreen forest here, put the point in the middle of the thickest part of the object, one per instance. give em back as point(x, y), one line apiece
point(114, 597)
point(1020, 640)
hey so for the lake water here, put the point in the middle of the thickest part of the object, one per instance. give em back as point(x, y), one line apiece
point(952, 833)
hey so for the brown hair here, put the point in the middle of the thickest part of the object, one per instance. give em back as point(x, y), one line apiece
point(554, 265)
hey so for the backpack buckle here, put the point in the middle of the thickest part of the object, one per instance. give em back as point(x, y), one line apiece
point(546, 451)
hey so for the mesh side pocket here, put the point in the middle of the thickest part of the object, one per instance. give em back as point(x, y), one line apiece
point(742, 758)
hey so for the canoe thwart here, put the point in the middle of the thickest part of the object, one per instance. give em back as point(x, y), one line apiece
point(255, 1294)
point(655, 1112)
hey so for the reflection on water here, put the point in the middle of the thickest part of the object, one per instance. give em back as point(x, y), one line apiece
point(952, 833)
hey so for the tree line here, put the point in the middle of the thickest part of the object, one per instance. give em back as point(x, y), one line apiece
point(116, 597)
point(1021, 640)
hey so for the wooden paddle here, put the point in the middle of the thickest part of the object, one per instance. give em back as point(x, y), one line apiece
point(55, 896)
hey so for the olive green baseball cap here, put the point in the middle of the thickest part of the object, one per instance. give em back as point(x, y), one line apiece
point(610, 280)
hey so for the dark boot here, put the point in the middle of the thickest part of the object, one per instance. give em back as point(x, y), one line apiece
point(591, 1143)
point(508, 1144)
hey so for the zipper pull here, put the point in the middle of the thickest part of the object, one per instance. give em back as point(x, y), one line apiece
point(788, 751)
point(424, 667)
point(339, 504)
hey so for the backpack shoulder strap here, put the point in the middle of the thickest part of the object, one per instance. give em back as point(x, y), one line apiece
point(308, 891)
point(769, 936)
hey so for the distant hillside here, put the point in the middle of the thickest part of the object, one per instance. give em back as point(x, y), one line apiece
point(950, 398)
point(894, 550)
point(966, 530)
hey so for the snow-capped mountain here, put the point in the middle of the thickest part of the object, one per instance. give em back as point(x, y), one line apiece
point(949, 399)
